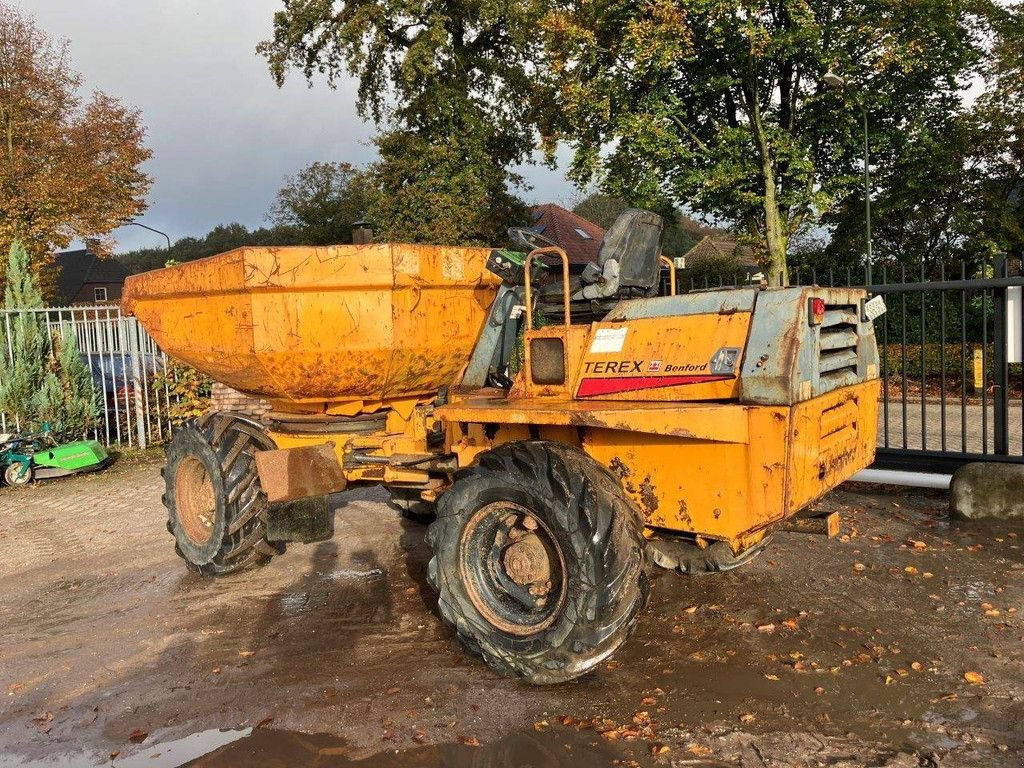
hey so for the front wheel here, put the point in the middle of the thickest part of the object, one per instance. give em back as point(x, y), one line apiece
point(539, 561)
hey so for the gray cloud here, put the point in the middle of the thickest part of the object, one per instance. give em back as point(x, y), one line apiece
point(223, 135)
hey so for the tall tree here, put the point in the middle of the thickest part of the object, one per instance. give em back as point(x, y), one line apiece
point(450, 81)
point(43, 379)
point(948, 186)
point(722, 104)
point(322, 201)
point(24, 339)
point(1000, 117)
point(70, 168)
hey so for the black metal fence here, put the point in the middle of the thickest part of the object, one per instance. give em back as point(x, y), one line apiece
point(950, 394)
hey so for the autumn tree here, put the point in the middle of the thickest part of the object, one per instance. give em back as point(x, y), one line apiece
point(451, 84)
point(70, 167)
point(321, 202)
point(722, 105)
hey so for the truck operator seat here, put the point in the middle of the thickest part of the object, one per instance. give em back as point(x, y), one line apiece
point(627, 264)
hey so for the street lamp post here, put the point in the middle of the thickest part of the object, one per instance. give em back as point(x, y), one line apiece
point(835, 82)
point(135, 223)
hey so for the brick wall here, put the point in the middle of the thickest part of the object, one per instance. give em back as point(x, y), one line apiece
point(223, 398)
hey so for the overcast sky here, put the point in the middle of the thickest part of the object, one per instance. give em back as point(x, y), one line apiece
point(222, 134)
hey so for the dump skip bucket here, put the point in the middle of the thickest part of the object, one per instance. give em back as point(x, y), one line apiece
point(337, 324)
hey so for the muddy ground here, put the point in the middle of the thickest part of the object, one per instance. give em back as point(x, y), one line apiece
point(900, 644)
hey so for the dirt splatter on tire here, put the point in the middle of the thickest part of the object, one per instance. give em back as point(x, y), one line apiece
point(539, 521)
point(216, 509)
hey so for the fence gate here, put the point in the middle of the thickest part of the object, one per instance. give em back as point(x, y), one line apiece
point(134, 402)
point(951, 393)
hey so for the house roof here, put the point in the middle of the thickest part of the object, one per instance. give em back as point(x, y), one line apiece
point(79, 268)
point(580, 239)
point(719, 246)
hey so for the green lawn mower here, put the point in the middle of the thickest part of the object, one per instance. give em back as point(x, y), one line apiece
point(24, 458)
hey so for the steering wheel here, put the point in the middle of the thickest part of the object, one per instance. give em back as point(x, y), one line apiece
point(529, 239)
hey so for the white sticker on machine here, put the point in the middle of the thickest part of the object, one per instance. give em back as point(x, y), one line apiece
point(608, 340)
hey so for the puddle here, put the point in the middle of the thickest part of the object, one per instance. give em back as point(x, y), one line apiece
point(352, 573)
point(557, 748)
point(172, 754)
point(272, 748)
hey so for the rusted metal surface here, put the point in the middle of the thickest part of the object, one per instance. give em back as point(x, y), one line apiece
point(508, 537)
point(719, 422)
point(826, 525)
point(195, 500)
point(361, 325)
point(297, 473)
point(790, 359)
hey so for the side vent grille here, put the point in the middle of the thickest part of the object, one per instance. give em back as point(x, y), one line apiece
point(837, 362)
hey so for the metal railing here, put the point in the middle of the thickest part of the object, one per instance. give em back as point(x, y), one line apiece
point(124, 363)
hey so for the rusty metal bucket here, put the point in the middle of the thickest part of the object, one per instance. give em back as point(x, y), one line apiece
point(346, 328)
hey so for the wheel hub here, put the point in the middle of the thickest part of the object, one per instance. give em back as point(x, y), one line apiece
point(195, 499)
point(512, 568)
point(526, 561)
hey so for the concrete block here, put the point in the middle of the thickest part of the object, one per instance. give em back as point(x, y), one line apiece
point(987, 491)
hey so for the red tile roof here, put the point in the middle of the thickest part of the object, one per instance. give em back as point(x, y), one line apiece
point(565, 227)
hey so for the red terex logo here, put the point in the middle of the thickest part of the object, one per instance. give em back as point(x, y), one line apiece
point(654, 366)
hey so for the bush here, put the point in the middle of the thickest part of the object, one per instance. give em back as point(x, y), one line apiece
point(958, 362)
point(189, 391)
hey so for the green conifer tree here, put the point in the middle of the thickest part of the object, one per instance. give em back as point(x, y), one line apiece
point(42, 379)
point(25, 343)
point(67, 400)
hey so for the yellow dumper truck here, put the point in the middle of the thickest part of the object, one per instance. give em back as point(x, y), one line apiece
point(558, 459)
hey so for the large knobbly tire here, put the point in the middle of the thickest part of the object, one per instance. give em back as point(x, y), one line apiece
point(539, 561)
point(686, 557)
point(216, 509)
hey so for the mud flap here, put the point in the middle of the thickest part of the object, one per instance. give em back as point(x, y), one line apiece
point(293, 474)
point(305, 521)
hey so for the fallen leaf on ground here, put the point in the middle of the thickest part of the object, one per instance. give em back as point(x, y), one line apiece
point(469, 741)
point(137, 736)
point(263, 723)
point(748, 718)
point(974, 678)
point(859, 567)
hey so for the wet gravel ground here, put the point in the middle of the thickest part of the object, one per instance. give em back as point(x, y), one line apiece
point(899, 644)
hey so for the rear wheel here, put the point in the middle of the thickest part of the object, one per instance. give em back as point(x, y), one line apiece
point(539, 561)
point(17, 474)
point(216, 509)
